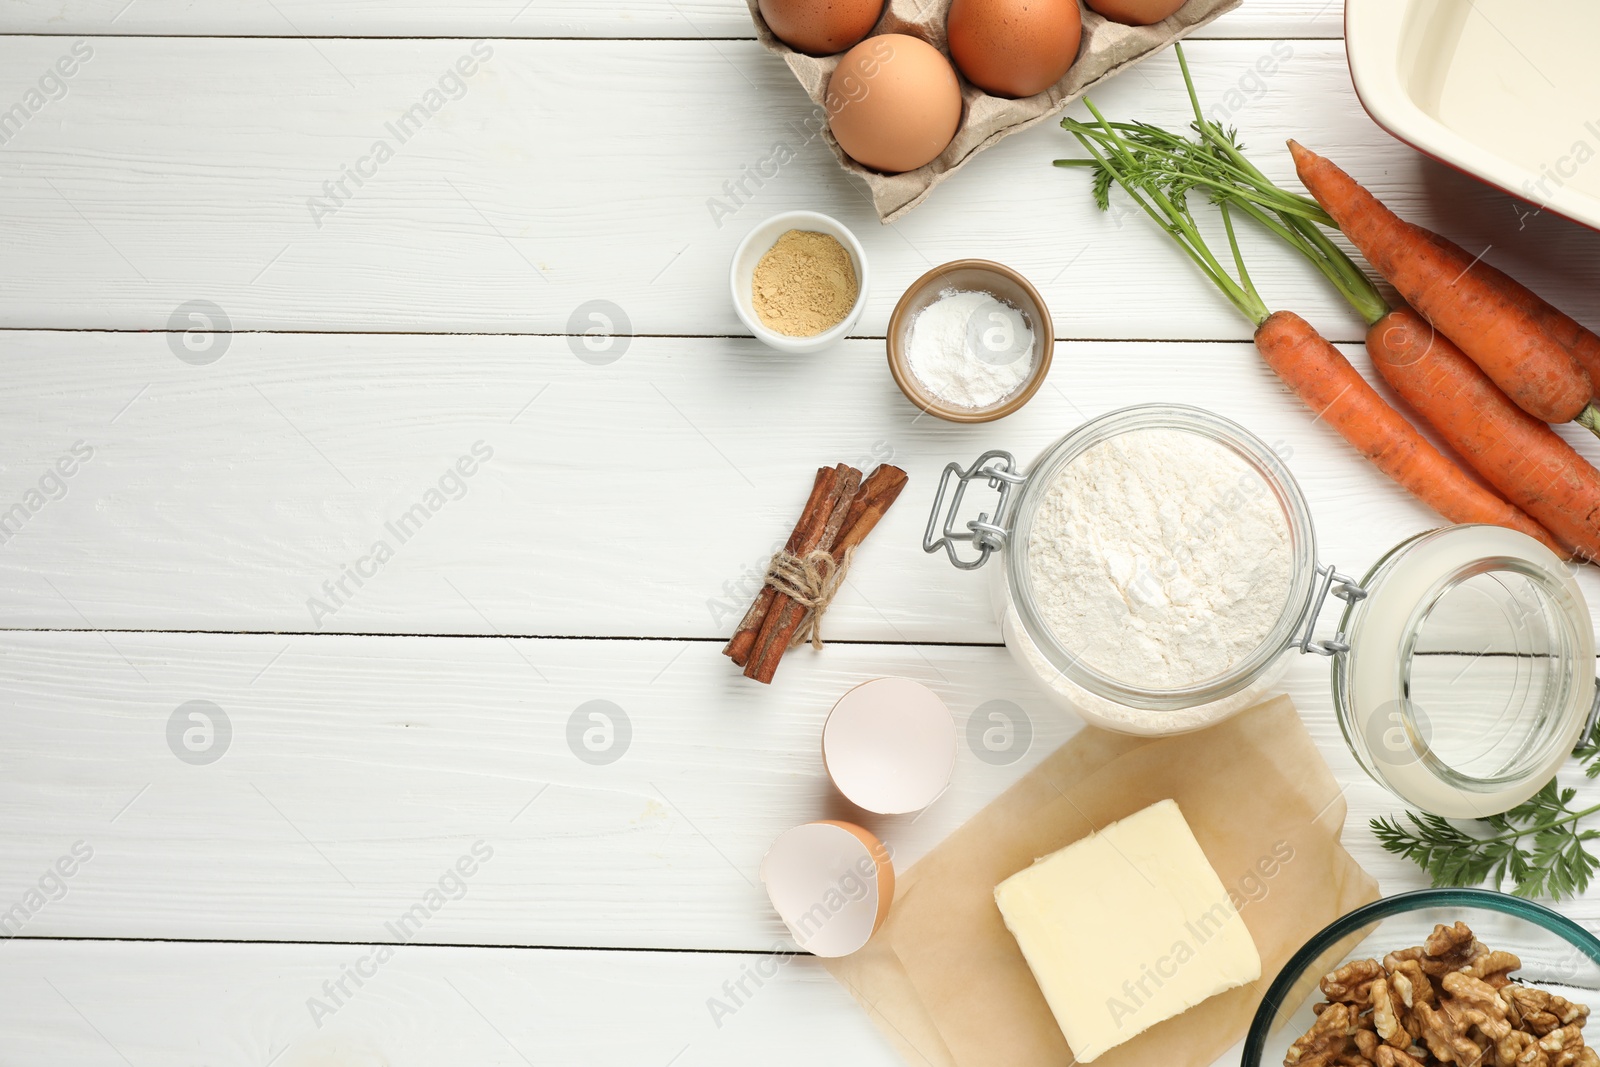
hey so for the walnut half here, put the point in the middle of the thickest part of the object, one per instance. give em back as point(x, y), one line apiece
point(1449, 1001)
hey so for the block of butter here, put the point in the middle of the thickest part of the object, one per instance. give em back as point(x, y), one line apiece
point(1126, 928)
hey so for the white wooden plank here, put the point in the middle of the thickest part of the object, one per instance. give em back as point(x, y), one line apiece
point(358, 770)
point(507, 18)
point(569, 171)
point(637, 499)
point(86, 1004)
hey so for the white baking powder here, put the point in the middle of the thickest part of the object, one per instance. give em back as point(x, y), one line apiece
point(969, 349)
point(1160, 558)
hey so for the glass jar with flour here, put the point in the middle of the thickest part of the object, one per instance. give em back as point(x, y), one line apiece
point(1160, 569)
point(1158, 563)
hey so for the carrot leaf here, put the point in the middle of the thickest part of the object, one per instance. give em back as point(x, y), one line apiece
point(1209, 158)
point(1161, 193)
point(1537, 848)
point(1589, 752)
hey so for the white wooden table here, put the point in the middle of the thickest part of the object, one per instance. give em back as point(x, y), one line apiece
point(366, 342)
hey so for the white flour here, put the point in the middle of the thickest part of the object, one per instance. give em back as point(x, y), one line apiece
point(969, 349)
point(1161, 558)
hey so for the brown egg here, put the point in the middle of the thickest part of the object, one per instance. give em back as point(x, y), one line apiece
point(894, 103)
point(1014, 47)
point(821, 27)
point(1135, 12)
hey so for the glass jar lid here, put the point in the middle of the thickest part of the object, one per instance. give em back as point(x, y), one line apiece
point(1465, 670)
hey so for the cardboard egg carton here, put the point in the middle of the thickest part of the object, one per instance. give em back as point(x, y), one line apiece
point(1107, 49)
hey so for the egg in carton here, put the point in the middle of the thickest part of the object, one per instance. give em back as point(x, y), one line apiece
point(1107, 48)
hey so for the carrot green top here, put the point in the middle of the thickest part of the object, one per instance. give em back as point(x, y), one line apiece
point(1158, 169)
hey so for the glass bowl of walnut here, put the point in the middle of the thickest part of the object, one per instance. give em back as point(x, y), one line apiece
point(1464, 977)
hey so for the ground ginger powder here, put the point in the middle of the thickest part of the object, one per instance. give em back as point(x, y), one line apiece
point(804, 285)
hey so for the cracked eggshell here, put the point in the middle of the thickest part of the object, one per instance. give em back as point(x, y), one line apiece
point(831, 883)
point(890, 746)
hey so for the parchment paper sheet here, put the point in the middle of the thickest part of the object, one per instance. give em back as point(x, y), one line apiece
point(1107, 49)
point(944, 979)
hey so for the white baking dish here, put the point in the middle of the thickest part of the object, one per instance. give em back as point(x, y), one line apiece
point(1505, 90)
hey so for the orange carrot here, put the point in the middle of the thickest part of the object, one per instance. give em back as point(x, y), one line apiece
point(1500, 335)
point(1326, 382)
point(1566, 331)
point(1516, 453)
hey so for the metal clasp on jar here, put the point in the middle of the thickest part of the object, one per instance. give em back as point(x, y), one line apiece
point(1346, 588)
point(998, 469)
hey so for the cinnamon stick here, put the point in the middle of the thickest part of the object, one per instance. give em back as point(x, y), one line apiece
point(880, 490)
point(813, 525)
point(839, 514)
point(744, 638)
point(785, 616)
point(877, 493)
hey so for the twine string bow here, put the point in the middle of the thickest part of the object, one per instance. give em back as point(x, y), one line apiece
point(811, 581)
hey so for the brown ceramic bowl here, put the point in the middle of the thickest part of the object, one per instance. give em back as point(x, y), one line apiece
point(976, 275)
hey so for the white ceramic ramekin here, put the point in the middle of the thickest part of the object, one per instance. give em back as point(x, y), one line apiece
point(756, 244)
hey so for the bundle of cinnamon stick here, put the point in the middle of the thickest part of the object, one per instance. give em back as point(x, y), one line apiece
point(842, 509)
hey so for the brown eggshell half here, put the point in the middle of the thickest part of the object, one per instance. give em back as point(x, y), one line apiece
point(885, 866)
point(889, 745)
point(831, 883)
